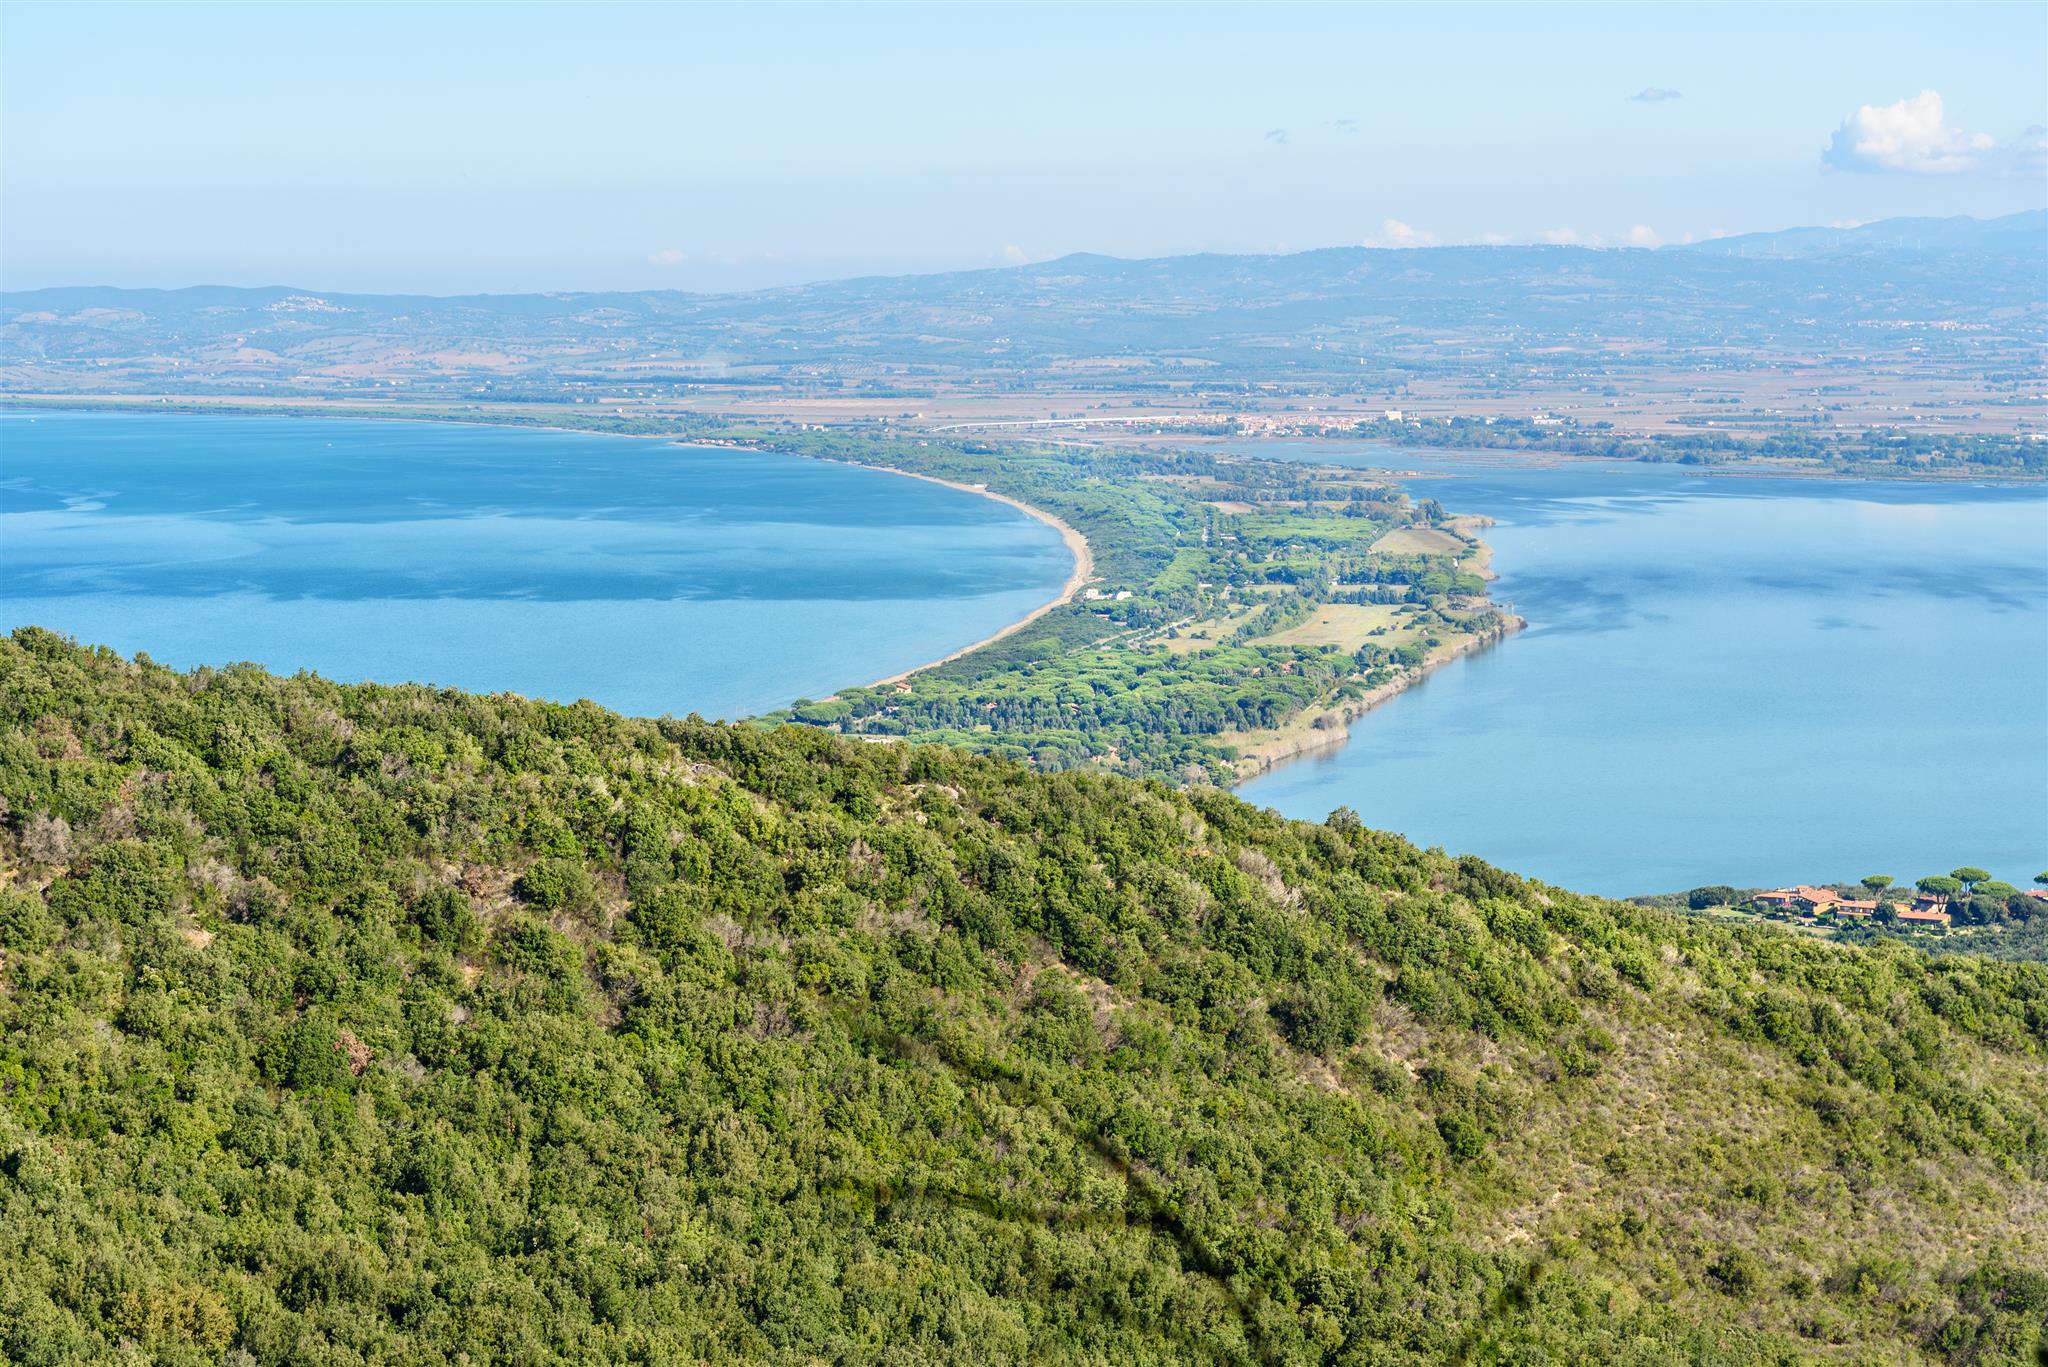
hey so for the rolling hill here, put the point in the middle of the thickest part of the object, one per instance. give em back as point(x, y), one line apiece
point(348, 1024)
point(1310, 314)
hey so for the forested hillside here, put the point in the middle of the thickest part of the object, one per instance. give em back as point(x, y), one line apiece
point(366, 1024)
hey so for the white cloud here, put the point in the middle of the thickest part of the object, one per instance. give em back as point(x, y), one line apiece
point(1643, 235)
point(1015, 255)
point(1653, 94)
point(1911, 135)
point(1395, 233)
point(669, 256)
point(1562, 237)
point(1278, 135)
point(1494, 239)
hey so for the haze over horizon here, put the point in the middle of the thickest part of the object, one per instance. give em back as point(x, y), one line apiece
point(1730, 241)
point(714, 149)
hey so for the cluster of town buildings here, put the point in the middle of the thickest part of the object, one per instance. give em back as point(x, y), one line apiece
point(1927, 909)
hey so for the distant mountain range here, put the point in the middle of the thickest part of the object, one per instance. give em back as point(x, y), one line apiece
point(2022, 233)
point(1318, 311)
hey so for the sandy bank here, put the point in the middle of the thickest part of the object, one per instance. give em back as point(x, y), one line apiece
point(1084, 565)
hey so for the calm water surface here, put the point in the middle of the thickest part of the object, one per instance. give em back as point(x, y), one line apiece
point(1725, 680)
point(647, 576)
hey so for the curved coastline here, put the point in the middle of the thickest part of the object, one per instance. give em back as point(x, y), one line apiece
point(1314, 730)
point(1335, 729)
point(1077, 545)
point(1320, 730)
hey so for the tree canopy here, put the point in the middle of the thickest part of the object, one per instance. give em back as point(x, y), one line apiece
point(360, 1024)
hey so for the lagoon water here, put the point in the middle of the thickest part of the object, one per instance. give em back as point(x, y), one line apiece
point(648, 576)
point(1725, 680)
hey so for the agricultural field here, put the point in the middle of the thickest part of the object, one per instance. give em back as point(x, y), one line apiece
point(1418, 541)
point(1346, 626)
point(1204, 631)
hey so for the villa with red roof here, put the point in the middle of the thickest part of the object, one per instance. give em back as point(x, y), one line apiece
point(1801, 898)
point(1812, 901)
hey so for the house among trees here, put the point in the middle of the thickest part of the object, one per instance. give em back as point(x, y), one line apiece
point(1801, 898)
point(1928, 909)
point(1812, 901)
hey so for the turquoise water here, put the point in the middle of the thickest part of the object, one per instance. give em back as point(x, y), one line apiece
point(1725, 680)
point(648, 576)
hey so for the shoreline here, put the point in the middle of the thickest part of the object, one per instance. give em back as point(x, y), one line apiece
point(332, 410)
point(1309, 732)
point(1536, 457)
point(291, 406)
point(1076, 544)
point(1316, 730)
point(1303, 736)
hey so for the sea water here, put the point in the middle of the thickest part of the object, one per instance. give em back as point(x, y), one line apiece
point(1726, 679)
point(646, 575)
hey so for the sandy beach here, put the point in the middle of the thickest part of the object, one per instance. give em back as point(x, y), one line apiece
point(1084, 566)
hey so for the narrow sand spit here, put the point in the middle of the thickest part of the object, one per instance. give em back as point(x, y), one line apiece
point(1084, 567)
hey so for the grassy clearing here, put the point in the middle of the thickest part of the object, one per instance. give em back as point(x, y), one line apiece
point(1345, 625)
point(1418, 541)
point(1206, 635)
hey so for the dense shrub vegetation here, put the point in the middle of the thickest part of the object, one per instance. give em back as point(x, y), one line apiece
point(360, 1024)
point(1230, 550)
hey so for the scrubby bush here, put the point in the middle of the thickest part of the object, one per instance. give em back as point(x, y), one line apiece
point(394, 1024)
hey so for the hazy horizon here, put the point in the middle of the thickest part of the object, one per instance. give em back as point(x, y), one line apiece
point(832, 279)
point(509, 150)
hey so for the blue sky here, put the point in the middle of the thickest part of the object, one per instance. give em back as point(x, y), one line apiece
point(456, 148)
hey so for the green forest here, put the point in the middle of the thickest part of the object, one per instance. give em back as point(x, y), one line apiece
point(1233, 597)
point(360, 1024)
